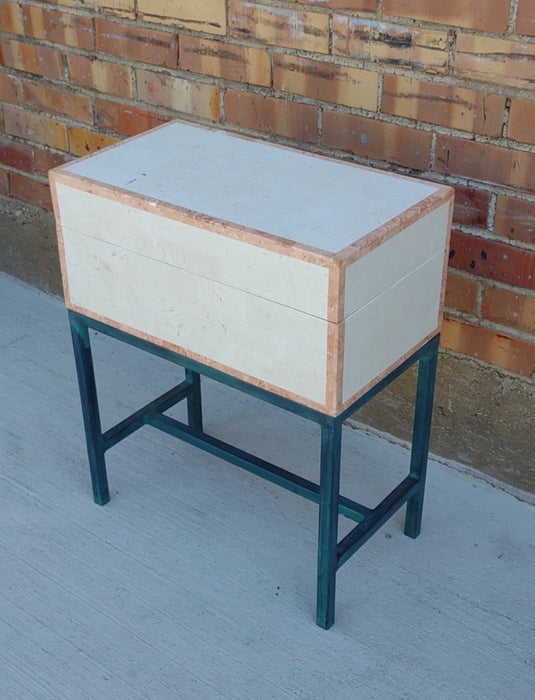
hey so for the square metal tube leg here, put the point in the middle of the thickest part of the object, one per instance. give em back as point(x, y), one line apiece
point(88, 396)
point(194, 401)
point(331, 442)
point(420, 437)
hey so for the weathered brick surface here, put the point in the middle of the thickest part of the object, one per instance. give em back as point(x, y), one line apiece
point(489, 345)
point(525, 22)
point(377, 140)
point(522, 120)
point(297, 29)
point(509, 308)
point(271, 115)
point(59, 27)
point(515, 219)
point(178, 94)
point(137, 43)
point(448, 105)
point(209, 17)
point(244, 64)
point(424, 49)
point(487, 15)
point(327, 82)
point(499, 61)
point(443, 89)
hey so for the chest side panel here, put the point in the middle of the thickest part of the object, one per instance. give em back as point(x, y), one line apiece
point(283, 279)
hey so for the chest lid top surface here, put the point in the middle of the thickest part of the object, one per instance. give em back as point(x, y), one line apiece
point(308, 200)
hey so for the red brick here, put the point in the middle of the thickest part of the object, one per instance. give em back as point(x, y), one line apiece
point(485, 162)
point(471, 207)
point(36, 128)
point(179, 94)
point(486, 15)
point(126, 119)
point(10, 19)
point(46, 98)
point(136, 43)
point(59, 27)
point(461, 292)
point(4, 185)
point(489, 346)
point(525, 21)
point(243, 64)
point(447, 105)
point(46, 160)
point(493, 260)
point(368, 40)
point(15, 154)
point(29, 189)
point(515, 219)
point(100, 75)
point(352, 5)
point(296, 29)
point(10, 89)
point(325, 81)
point(522, 120)
point(40, 60)
point(271, 115)
point(84, 141)
point(509, 308)
point(377, 140)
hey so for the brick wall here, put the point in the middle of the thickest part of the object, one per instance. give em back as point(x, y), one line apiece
point(439, 90)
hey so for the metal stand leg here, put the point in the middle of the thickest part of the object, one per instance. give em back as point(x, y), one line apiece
point(331, 441)
point(420, 438)
point(194, 401)
point(88, 396)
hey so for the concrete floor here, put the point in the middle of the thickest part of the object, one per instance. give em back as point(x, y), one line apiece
point(198, 580)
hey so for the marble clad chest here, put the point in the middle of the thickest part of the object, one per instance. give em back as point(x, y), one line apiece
point(301, 274)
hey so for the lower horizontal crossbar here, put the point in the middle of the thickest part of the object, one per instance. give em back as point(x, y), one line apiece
point(376, 518)
point(255, 465)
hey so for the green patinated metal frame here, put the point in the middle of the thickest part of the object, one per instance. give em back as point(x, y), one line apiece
point(331, 552)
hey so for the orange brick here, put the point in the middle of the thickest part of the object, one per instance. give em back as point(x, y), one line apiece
point(59, 27)
point(46, 98)
point(493, 260)
point(486, 15)
point(209, 17)
point(15, 154)
point(461, 292)
point(121, 8)
point(448, 105)
point(489, 346)
point(296, 29)
point(126, 119)
point(178, 94)
point(243, 64)
point(271, 115)
point(30, 189)
point(525, 21)
point(500, 61)
point(41, 60)
point(4, 185)
point(353, 5)
point(100, 75)
point(423, 49)
point(377, 140)
point(10, 19)
point(509, 308)
point(10, 89)
point(471, 207)
point(136, 43)
point(34, 127)
point(83, 141)
point(45, 160)
point(522, 120)
point(324, 81)
point(515, 219)
point(482, 161)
